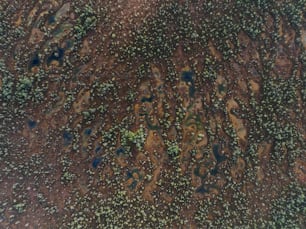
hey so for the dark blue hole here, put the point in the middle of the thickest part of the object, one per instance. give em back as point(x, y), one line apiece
point(191, 90)
point(98, 149)
point(67, 138)
point(35, 61)
point(129, 175)
point(88, 132)
point(202, 189)
point(187, 76)
point(120, 150)
point(145, 99)
point(217, 155)
point(221, 88)
point(69, 44)
point(197, 171)
point(214, 171)
point(216, 149)
point(32, 124)
point(133, 185)
point(96, 161)
point(51, 19)
point(60, 53)
point(56, 55)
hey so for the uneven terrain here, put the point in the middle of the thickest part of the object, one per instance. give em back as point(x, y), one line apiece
point(152, 114)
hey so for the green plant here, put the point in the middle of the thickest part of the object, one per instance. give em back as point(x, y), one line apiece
point(86, 21)
point(138, 138)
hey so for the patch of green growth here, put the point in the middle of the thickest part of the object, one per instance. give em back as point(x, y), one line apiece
point(251, 20)
point(272, 117)
point(209, 71)
point(277, 93)
point(20, 207)
point(143, 71)
point(138, 138)
point(27, 89)
point(173, 24)
point(279, 98)
point(86, 21)
point(131, 95)
point(303, 76)
point(102, 108)
point(103, 89)
point(294, 12)
point(155, 40)
point(67, 176)
point(89, 114)
point(8, 32)
point(7, 80)
point(110, 137)
point(219, 212)
point(23, 89)
point(289, 210)
point(70, 98)
point(173, 149)
point(6, 90)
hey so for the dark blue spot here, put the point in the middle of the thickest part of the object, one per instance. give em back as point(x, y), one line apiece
point(68, 137)
point(221, 88)
point(57, 55)
point(87, 132)
point(214, 171)
point(187, 76)
point(217, 155)
point(133, 185)
point(202, 189)
point(51, 19)
point(191, 90)
point(69, 44)
point(96, 161)
point(32, 124)
point(35, 61)
point(216, 149)
point(129, 174)
point(196, 171)
point(98, 149)
point(120, 150)
point(145, 99)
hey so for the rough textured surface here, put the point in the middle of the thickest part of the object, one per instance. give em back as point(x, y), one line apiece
point(152, 114)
